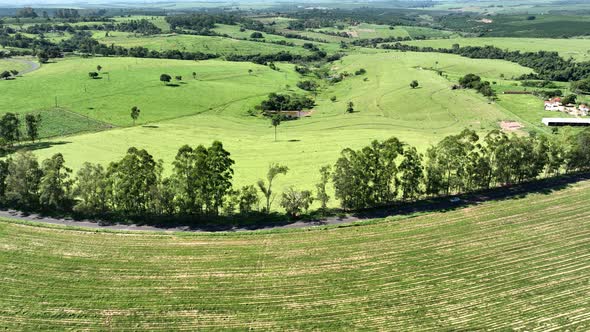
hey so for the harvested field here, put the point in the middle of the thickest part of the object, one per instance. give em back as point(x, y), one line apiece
point(519, 264)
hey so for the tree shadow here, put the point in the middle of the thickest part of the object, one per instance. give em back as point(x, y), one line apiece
point(39, 145)
point(454, 202)
point(173, 85)
point(150, 126)
point(252, 221)
point(263, 221)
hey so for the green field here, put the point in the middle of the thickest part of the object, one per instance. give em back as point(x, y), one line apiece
point(578, 49)
point(190, 43)
point(542, 26)
point(135, 82)
point(159, 21)
point(8, 64)
point(513, 258)
point(513, 265)
point(366, 30)
point(511, 6)
point(234, 32)
point(215, 107)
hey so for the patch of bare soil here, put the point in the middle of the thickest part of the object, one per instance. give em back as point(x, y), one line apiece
point(486, 21)
point(511, 126)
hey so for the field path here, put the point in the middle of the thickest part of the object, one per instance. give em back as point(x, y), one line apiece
point(425, 206)
point(32, 65)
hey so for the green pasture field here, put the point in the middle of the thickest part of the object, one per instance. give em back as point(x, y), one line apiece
point(59, 122)
point(543, 26)
point(216, 109)
point(510, 6)
point(578, 49)
point(7, 64)
point(159, 21)
point(190, 43)
point(316, 35)
point(366, 31)
point(276, 19)
point(510, 265)
point(234, 32)
point(127, 82)
point(53, 37)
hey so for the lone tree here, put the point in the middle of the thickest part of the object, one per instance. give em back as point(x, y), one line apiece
point(93, 75)
point(414, 84)
point(194, 75)
point(32, 123)
point(178, 78)
point(14, 72)
point(135, 113)
point(43, 57)
point(275, 121)
point(165, 78)
point(250, 71)
point(273, 171)
point(99, 68)
point(350, 107)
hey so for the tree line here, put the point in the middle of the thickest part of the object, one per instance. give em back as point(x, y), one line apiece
point(547, 65)
point(201, 181)
point(199, 22)
point(82, 42)
point(472, 81)
point(13, 130)
point(388, 171)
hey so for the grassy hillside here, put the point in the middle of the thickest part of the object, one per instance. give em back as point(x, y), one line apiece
point(205, 44)
point(159, 21)
point(542, 7)
point(234, 32)
point(578, 49)
point(7, 64)
point(136, 82)
point(385, 106)
point(542, 26)
point(366, 30)
point(512, 265)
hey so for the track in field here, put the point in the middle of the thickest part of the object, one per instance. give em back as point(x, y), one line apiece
point(518, 264)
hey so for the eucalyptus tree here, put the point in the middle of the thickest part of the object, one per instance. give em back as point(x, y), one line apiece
point(55, 184)
point(367, 177)
point(321, 187)
point(266, 187)
point(135, 113)
point(32, 125)
point(131, 180)
point(411, 173)
point(275, 121)
point(22, 180)
point(91, 189)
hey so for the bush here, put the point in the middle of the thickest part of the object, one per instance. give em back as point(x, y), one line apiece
point(307, 85)
point(295, 202)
